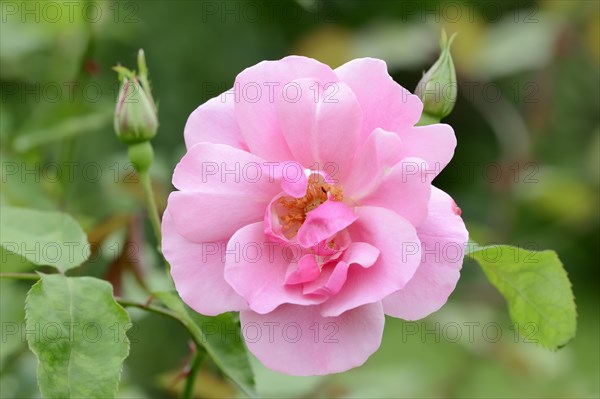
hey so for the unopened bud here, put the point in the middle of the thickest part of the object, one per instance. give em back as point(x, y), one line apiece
point(438, 87)
point(135, 115)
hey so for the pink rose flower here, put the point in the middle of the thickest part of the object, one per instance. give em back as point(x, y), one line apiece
point(305, 202)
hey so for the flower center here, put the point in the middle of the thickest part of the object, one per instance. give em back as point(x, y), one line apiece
point(293, 210)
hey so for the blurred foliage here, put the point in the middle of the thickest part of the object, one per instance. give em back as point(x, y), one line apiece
point(526, 170)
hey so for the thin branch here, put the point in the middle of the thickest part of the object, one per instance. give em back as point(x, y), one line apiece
point(20, 276)
point(198, 358)
point(150, 308)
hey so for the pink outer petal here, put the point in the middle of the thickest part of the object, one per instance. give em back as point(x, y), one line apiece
point(223, 189)
point(400, 255)
point(297, 340)
point(433, 143)
point(256, 90)
point(256, 270)
point(219, 168)
point(210, 217)
point(323, 222)
point(214, 122)
point(374, 158)
point(321, 126)
point(405, 189)
point(198, 272)
point(385, 103)
point(443, 237)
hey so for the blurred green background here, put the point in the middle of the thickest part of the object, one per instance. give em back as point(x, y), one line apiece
point(526, 170)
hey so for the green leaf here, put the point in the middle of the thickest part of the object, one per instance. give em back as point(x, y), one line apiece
point(44, 237)
point(473, 247)
point(220, 338)
point(77, 332)
point(12, 297)
point(65, 129)
point(537, 290)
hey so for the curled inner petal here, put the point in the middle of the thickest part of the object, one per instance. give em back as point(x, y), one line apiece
point(292, 211)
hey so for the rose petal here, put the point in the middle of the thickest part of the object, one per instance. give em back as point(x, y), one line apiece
point(214, 122)
point(290, 175)
point(257, 88)
point(333, 276)
point(220, 168)
point(400, 256)
point(384, 102)
point(373, 160)
point(321, 126)
point(198, 272)
point(443, 236)
point(305, 270)
point(405, 189)
point(256, 270)
point(330, 281)
point(224, 188)
point(297, 340)
point(361, 253)
point(434, 144)
point(323, 222)
point(210, 217)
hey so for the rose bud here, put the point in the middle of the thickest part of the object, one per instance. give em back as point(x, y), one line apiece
point(135, 115)
point(437, 88)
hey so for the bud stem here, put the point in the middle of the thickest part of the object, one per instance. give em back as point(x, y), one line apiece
point(198, 358)
point(141, 156)
point(152, 209)
point(428, 119)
